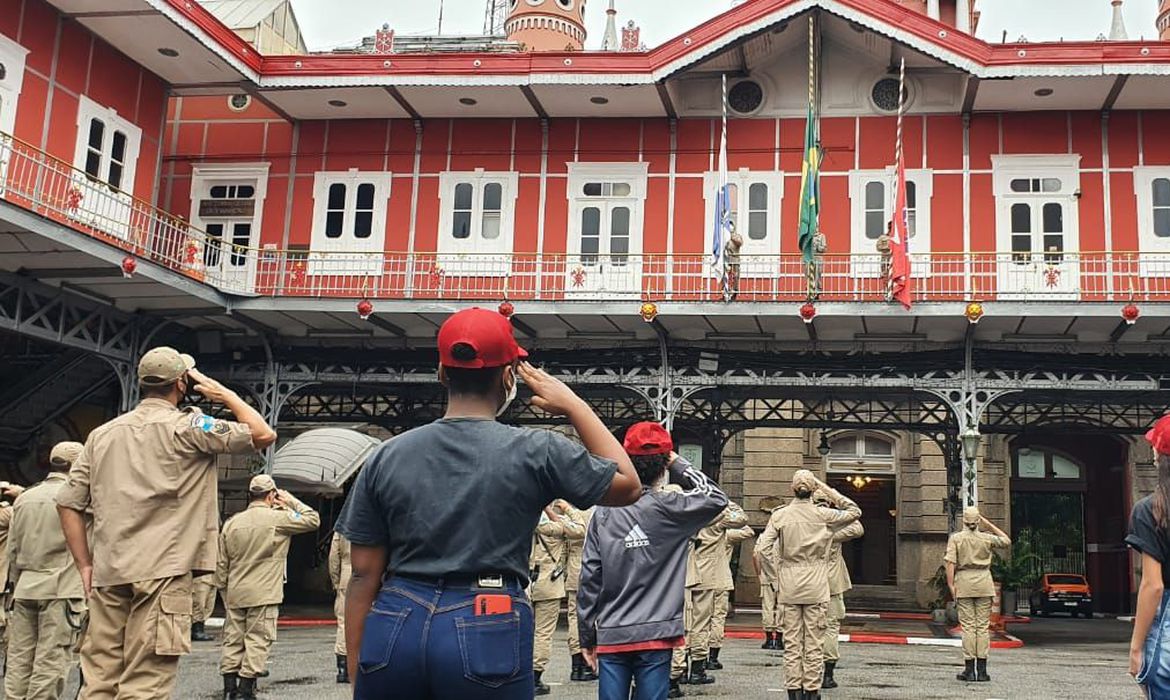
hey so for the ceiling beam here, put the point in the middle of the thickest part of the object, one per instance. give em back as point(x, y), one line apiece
point(667, 103)
point(403, 102)
point(50, 273)
point(533, 100)
point(811, 328)
point(972, 92)
point(1120, 330)
point(263, 99)
point(385, 325)
point(523, 327)
point(1114, 92)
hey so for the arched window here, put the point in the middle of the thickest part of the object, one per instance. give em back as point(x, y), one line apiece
point(1035, 464)
point(861, 452)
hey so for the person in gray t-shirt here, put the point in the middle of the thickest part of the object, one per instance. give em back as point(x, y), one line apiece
point(440, 520)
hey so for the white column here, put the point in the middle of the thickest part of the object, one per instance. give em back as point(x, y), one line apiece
point(932, 9)
point(963, 16)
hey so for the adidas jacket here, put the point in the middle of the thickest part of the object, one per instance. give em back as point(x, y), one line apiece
point(633, 569)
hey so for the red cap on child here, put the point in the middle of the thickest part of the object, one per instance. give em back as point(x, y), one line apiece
point(1159, 436)
point(487, 335)
point(648, 439)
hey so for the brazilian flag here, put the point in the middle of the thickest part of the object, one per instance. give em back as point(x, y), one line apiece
point(810, 187)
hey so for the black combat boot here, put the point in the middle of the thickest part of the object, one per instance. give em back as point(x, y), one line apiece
point(198, 634)
point(968, 674)
point(578, 663)
point(699, 673)
point(342, 669)
point(795, 694)
point(713, 660)
point(779, 642)
point(247, 689)
point(981, 671)
point(587, 674)
point(231, 682)
point(675, 690)
point(812, 695)
point(767, 641)
point(829, 682)
point(541, 688)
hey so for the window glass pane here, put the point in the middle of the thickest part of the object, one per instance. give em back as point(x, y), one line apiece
point(877, 446)
point(1050, 184)
point(875, 224)
point(334, 223)
point(619, 235)
point(118, 147)
point(758, 197)
point(241, 237)
point(590, 234)
point(365, 196)
point(115, 179)
point(1030, 465)
point(1021, 244)
point(1162, 222)
point(620, 222)
point(1064, 469)
point(1020, 185)
point(218, 192)
point(461, 225)
point(844, 446)
point(911, 195)
point(758, 225)
point(97, 131)
point(621, 189)
point(363, 224)
point(493, 194)
point(336, 196)
point(1162, 192)
point(1053, 217)
point(93, 164)
point(491, 225)
point(1021, 218)
point(211, 247)
point(245, 192)
point(463, 192)
point(912, 222)
point(875, 195)
point(592, 189)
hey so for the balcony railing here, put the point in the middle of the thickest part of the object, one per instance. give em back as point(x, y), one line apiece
point(38, 182)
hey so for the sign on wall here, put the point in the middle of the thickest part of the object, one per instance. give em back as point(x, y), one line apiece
point(227, 208)
point(692, 454)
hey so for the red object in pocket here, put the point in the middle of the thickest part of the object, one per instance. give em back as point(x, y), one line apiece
point(493, 604)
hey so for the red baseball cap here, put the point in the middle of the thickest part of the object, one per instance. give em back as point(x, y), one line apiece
point(648, 439)
point(1159, 436)
point(487, 333)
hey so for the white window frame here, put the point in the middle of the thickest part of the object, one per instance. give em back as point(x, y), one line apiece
point(12, 55)
point(920, 245)
point(636, 175)
point(345, 255)
point(766, 251)
point(205, 176)
point(859, 463)
point(1153, 252)
point(476, 255)
point(87, 111)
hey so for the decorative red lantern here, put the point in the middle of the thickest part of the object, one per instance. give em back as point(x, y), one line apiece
point(129, 265)
point(506, 309)
point(808, 311)
point(365, 309)
point(974, 311)
point(1130, 312)
point(649, 311)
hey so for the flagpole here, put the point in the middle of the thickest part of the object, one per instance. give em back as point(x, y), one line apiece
point(811, 265)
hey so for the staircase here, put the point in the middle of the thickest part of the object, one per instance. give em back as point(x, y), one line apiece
point(32, 403)
point(881, 599)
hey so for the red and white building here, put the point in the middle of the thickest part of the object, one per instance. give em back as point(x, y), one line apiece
point(253, 199)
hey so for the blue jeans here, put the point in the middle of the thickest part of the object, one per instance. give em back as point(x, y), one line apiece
point(422, 641)
point(649, 669)
point(1155, 672)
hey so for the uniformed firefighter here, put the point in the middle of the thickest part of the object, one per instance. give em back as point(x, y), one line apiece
point(678, 659)
point(5, 522)
point(574, 544)
point(712, 570)
point(968, 562)
point(149, 477)
point(547, 588)
point(339, 573)
point(839, 582)
point(732, 537)
point(202, 605)
point(48, 607)
point(253, 549)
point(769, 588)
point(799, 535)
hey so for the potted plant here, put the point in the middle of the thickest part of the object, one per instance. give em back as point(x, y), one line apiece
point(1017, 571)
point(942, 608)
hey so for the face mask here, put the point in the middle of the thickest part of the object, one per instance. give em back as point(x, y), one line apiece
point(508, 399)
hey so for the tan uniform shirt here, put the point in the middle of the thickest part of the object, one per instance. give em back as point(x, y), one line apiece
point(340, 568)
point(253, 549)
point(799, 536)
point(839, 580)
point(575, 545)
point(5, 522)
point(149, 477)
point(732, 538)
point(712, 563)
point(39, 560)
point(549, 560)
point(970, 551)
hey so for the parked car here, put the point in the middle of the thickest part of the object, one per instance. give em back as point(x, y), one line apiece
point(1068, 593)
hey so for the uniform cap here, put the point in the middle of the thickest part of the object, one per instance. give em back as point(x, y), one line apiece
point(971, 515)
point(648, 439)
point(478, 339)
point(1159, 436)
point(804, 480)
point(261, 483)
point(64, 454)
point(163, 365)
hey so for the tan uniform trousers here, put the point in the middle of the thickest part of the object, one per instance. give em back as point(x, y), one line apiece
point(44, 636)
point(546, 612)
point(678, 658)
point(248, 634)
point(202, 599)
point(836, 614)
point(137, 632)
point(975, 617)
point(719, 620)
point(339, 613)
point(803, 627)
point(571, 613)
point(771, 609)
point(702, 615)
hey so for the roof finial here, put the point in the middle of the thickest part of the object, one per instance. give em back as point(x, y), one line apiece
point(1117, 30)
point(610, 41)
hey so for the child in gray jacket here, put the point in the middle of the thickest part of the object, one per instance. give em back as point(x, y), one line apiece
point(633, 569)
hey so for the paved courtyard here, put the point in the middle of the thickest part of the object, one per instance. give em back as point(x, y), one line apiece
point(1064, 659)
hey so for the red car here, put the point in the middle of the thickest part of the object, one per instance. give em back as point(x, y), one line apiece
point(1068, 593)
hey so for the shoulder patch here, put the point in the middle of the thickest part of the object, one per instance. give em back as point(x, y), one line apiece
point(220, 428)
point(202, 422)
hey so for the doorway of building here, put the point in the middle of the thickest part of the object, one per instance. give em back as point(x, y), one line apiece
point(872, 559)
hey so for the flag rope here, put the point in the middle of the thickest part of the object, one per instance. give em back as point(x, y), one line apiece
point(811, 265)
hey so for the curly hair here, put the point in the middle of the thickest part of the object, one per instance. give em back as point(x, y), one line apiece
point(650, 467)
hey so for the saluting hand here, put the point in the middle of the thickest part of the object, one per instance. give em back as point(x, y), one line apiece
point(213, 390)
point(550, 394)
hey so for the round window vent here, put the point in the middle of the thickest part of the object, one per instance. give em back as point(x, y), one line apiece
point(3, 72)
point(885, 95)
point(745, 97)
point(238, 103)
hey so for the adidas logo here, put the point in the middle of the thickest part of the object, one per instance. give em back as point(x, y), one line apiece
point(637, 538)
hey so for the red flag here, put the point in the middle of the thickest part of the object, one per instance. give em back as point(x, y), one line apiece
point(900, 282)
